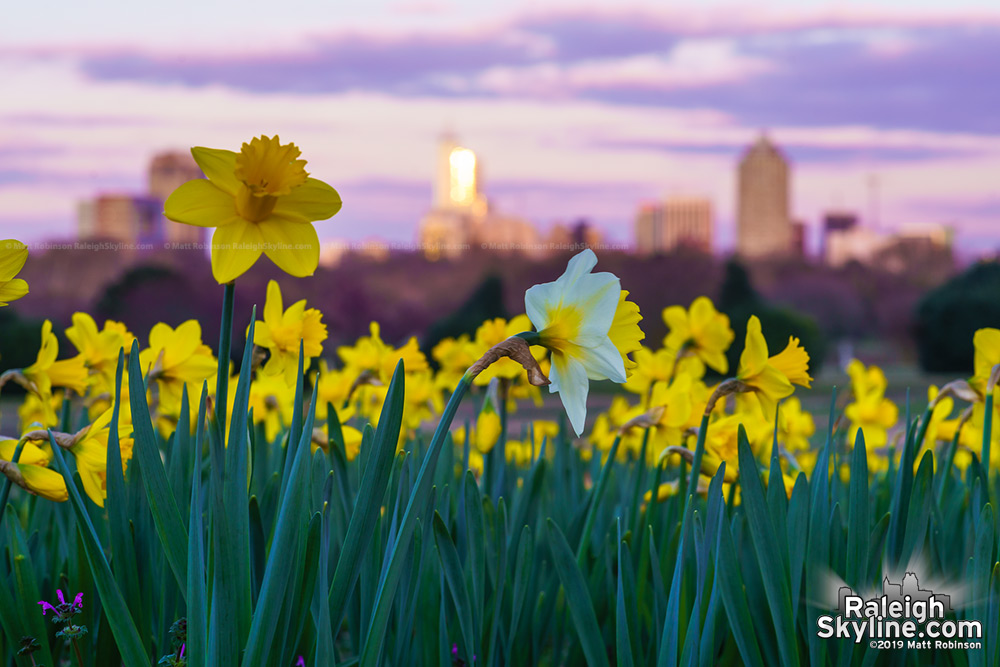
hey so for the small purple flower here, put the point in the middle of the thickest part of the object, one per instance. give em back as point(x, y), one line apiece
point(63, 609)
point(301, 662)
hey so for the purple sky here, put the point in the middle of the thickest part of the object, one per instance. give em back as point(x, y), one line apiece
point(575, 110)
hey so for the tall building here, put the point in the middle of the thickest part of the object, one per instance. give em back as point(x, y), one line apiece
point(461, 218)
point(122, 218)
point(168, 171)
point(677, 222)
point(764, 228)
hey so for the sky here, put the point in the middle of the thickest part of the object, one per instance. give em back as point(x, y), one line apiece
point(575, 109)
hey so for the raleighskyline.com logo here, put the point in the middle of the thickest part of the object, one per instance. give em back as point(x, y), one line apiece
point(903, 616)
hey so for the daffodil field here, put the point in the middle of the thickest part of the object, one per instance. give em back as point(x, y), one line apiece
point(380, 504)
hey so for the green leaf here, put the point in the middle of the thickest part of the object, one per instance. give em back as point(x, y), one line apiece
point(581, 608)
point(122, 543)
point(623, 639)
point(284, 550)
point(765, 545)
point(115, 609)
point(146, 451)
point(393, 564)
point(197, 608)
point(452, 568)
point(371, 492)
point(858, 531)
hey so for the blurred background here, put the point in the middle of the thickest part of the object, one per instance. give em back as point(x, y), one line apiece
point(835, 168)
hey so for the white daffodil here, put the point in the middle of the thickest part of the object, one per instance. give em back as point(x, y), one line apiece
point(573, 316)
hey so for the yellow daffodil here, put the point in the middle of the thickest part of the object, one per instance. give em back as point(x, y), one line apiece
point(795, 425)
point(702, 331)
point(99, 349)
point(625, 333)
point(90, 450)
point(771, 379)
point(176, 357)
point(36, 412)
point(372, 355)
point(333, 388)
point(259, 200)
point(573, 317)
point(46, 372)
point(31, 472)
point(454, 356)
point(281, 331)
point(13, 255)
point(987, 355)
point(870, 412)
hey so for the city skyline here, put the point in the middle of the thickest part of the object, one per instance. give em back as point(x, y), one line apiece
point(576, 113)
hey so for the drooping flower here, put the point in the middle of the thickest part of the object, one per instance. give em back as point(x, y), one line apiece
point(31, 472)
point(90, 449)
point(771, 379)
point(13, 255)
point(625, 332)
point(702, 331)
point(573, 317)
point(987, 355)
point(493, 332)
point(260, 200)
point(281, 331)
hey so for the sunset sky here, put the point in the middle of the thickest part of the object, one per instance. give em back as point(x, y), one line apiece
point(576, 109)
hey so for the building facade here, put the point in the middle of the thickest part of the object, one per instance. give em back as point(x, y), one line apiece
point(764, 227)
point(676, 223)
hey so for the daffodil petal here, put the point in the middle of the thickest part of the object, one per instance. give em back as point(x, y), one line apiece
point(313, 200)
point(12, 290)
point(235, 248)
point(603, 362)
point(570, 379)
point(293, 246)
point(219, 166)
point(273, 304)
point(754, 356)
point(13, 254)
point(201, 203)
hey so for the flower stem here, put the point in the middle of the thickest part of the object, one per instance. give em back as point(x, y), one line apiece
point(76, 649)
point(225, 345)
point(5, 492)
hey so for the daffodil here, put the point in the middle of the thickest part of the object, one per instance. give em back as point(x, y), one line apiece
point(573, 317)
point(370, 354)
point(176, 357)
point(795, 425)
point(260, 200)
point(99, 348)
point(702, 331)
point(46, 372)
point(987, 355)
point(38, 412)
point(31, 472)
point(771, 379)
point(13, 255)
point(282, 330)
point(870, 412)
point(90, 449)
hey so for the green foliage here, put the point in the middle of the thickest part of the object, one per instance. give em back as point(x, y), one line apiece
point(947, 318)
point(269, 551)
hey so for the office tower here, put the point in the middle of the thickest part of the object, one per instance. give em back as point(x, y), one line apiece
point(677, 222)
point(763, 225)
point(168, 171)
